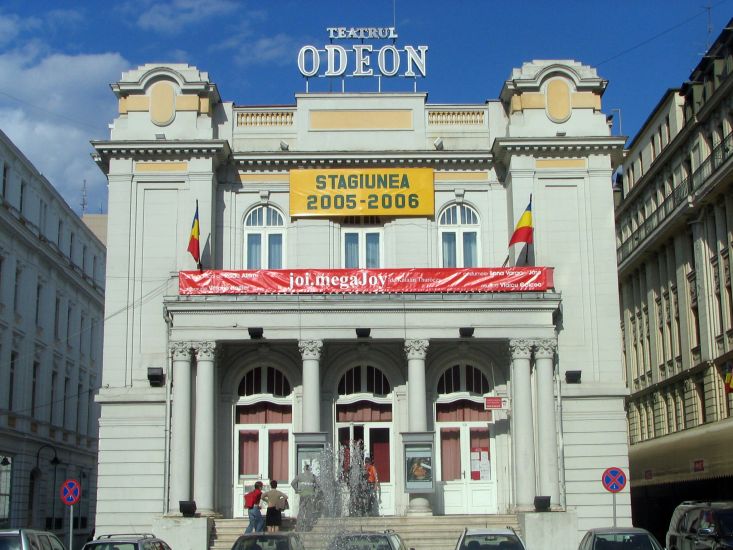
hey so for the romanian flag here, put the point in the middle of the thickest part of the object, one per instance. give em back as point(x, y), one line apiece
point(728, 377)
point(193, 241)
point(523, 231)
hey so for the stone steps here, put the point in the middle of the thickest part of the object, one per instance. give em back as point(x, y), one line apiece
point(418, 532)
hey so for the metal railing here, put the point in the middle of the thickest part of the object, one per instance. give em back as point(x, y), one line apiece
point(680, 194)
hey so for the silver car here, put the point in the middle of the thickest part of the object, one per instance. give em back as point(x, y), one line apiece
point(490, 539)
point(29, 539)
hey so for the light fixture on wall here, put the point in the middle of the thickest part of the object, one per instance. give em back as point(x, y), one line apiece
point(465, 332)
point(363, 332)
point(255, 332)
point(187, 508)
point(5, 461)
point(541, 504)
point(572, 376)
point(438, 143)
point(284, 146)
point(159, 136)
point(156, 376)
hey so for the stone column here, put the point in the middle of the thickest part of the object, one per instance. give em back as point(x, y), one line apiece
point(549, 476)
point(180, 452)
point(522, 427)
point(417, 419)
point(310, 351)
point(204, 430)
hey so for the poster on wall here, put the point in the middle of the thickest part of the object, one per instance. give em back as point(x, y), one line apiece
point(418, 468)
point(480, 464)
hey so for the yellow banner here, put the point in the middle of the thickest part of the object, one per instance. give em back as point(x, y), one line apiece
point(362, 192)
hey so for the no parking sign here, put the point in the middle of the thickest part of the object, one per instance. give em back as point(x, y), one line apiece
point(70, 492)
point(613, 480)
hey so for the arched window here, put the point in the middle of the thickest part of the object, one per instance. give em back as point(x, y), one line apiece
point(459, 229)
point(364, 379)
point(265, 380)
point(463, 378)
point(264, 233)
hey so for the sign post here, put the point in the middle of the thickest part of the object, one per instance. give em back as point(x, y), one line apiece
point(614, 481)
point(70, 494)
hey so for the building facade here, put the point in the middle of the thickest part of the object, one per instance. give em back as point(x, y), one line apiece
point(209, 387)
point(51, 321)
point(674, 235)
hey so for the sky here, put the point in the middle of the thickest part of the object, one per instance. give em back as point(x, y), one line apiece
point(57, 58)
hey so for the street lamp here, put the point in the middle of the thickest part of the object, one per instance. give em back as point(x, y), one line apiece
point(55, 462)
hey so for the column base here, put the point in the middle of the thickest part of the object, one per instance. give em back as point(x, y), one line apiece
point(419, 506)
point(204, 513)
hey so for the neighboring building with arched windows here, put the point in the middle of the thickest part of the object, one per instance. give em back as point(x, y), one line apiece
point(352, 298)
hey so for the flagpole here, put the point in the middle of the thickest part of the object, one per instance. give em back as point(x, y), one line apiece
point(198, 263)
point(526, 250)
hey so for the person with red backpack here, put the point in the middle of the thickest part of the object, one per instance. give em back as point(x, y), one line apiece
point(252, 504)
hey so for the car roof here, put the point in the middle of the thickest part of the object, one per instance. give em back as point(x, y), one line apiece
point(614, 530)
point(492, 531)
point(125, 537)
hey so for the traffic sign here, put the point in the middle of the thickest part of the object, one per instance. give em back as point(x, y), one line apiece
point(613, 479)
point(70, 492)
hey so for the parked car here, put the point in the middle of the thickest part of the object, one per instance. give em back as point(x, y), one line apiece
point(135, 541)
point(367, 540)
point(619, 538)
point(29, 539)
point(701, 526)
point(490, 539)
point(269, 541)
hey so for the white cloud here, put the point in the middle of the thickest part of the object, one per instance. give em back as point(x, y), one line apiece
point(11, 26)
point(280, 49)
point(172, 17)
point(51, 105)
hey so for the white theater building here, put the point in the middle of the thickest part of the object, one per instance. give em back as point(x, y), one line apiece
point(311, 322)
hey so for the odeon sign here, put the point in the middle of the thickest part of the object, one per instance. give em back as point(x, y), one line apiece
point(359, 58)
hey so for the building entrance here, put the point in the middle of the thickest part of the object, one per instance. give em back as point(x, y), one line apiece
point(262, 443)
point(466, 469)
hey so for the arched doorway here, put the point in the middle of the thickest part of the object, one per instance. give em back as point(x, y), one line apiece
point(465, 442)
point(364, 427)
point(263, 428)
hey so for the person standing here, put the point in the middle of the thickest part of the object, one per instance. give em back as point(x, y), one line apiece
point(372, 478)
point(277, 501)
point(252, 504)
point(305, 484)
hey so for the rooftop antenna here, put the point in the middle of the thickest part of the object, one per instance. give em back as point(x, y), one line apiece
point(394, 13)
point(709, 9)
point(84, 198)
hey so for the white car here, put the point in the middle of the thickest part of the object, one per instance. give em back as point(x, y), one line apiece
point(490, 539)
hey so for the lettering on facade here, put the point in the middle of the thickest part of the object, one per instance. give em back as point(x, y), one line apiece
point(361, 60)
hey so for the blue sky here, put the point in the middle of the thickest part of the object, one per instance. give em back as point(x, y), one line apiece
point(57, 58)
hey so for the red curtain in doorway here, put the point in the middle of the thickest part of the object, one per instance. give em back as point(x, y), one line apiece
point(249, 459)
point(379, 443)
point(278, 452)
point(450, 453)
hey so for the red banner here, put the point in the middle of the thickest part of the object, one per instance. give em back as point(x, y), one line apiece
point(366, 281)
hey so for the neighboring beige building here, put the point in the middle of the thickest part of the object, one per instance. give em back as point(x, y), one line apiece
point(51, 321)
point(675, 240)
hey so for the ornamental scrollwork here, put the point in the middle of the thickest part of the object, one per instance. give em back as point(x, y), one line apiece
point(520, 348)
point(205, 351)
point(545, 348)
point(310, 349)
point(416, 349)
point(181, 351)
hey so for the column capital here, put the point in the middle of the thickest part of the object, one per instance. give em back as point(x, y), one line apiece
point(205, 350)
point(545, 348)
point(310, 349)
point(181, 351)
point(520, 348)
point(416, 349)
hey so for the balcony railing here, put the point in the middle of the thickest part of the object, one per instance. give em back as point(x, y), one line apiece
point(265, 118)
point(680, 194)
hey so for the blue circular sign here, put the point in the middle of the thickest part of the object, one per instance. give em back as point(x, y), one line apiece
point(613, 479)
point(70, 492)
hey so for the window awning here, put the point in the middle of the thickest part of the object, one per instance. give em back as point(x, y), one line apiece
point(703, 452)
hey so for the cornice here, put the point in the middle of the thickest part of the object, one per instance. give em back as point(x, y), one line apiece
point(145, 149)
point(341, 159)
point(505, 147)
